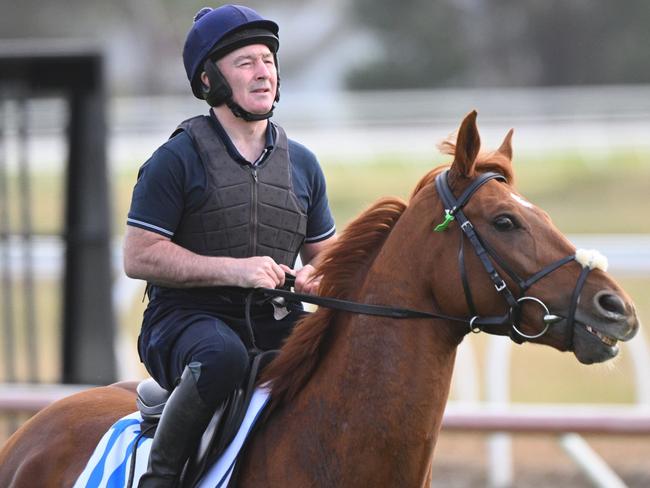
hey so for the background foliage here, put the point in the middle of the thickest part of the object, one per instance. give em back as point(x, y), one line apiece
point(428, 43)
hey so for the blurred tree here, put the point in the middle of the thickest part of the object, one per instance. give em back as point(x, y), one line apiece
point(420, 44)
point(429, 43)
point(373, 44)
point(585, 42)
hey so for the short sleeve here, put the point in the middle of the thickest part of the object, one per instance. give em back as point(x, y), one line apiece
point(158, 195)
point(310, 187)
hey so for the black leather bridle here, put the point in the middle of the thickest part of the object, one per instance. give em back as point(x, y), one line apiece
point(486, 254)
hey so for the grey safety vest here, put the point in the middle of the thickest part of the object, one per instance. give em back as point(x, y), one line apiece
point(249, 210)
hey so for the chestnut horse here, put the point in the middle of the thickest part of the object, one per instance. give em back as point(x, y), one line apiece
point(358, 400)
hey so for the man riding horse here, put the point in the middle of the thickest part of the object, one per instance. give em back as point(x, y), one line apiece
point(226, 204)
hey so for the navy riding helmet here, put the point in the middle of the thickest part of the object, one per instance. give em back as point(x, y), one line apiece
point(215, 33)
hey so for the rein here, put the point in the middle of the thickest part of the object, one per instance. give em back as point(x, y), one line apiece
point(476, 322)
point(356, 307)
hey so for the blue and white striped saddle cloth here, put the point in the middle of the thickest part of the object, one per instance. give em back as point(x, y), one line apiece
point(113, 458)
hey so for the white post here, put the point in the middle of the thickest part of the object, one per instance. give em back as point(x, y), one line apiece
point(497, 379)
point(596, 469)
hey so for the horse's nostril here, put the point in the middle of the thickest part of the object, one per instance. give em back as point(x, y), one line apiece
point(610, 303)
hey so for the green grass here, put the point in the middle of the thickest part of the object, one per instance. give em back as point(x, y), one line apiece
point(582, 194)
point(47, 321)
point(590, 195)
point(46, 194)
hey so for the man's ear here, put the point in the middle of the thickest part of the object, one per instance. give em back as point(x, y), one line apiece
point(205, 80)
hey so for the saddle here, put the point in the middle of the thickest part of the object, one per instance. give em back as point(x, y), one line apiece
point(224, 425)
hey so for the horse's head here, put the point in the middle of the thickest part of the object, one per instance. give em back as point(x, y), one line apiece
point(518, 266)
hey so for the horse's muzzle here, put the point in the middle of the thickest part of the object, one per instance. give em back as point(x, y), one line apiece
point(611, 316)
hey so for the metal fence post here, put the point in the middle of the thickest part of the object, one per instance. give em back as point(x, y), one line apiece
point(88, 321)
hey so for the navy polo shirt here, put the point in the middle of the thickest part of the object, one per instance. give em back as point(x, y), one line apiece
point(173, 181)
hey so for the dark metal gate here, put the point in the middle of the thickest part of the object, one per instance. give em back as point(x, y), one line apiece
point(33, 86)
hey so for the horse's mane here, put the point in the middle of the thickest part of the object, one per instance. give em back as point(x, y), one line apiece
point(342, 269)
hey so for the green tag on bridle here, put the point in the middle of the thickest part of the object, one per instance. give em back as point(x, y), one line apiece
point(445, 223)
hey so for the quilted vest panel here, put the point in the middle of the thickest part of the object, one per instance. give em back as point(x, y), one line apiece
point(249, 210)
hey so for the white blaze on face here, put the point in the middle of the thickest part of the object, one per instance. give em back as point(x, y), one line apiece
point(521, 200)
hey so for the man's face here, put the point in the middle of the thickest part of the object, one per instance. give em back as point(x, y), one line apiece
point(251, 73)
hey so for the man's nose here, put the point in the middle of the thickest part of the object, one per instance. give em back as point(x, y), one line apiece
point(263, 70)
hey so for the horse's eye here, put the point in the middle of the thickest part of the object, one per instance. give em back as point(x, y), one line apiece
point(505, 223)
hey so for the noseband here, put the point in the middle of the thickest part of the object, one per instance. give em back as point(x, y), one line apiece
point(487, 255)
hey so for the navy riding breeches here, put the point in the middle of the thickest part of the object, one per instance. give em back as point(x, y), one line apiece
point(209, 340)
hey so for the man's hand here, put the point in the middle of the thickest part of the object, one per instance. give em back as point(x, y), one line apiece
point(307, 280)
point(259, 272)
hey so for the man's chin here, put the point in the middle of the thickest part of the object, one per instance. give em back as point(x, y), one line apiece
point(261, 105)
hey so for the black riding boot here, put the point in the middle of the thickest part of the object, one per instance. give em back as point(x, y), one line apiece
point(179, 431)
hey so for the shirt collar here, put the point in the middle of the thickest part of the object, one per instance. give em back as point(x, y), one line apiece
point(232, 150)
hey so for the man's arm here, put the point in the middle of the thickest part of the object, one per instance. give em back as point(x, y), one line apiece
point(310, 251)
point(152, 257)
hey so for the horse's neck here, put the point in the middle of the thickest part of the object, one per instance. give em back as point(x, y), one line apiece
point(399, 369)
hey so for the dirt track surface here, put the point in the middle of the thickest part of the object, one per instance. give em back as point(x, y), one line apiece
point(539, 461)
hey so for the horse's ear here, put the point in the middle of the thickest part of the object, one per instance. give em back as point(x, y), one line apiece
point(468, 144)
point(506, 145)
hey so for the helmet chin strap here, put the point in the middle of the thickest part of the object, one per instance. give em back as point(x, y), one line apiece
point(238, 111)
